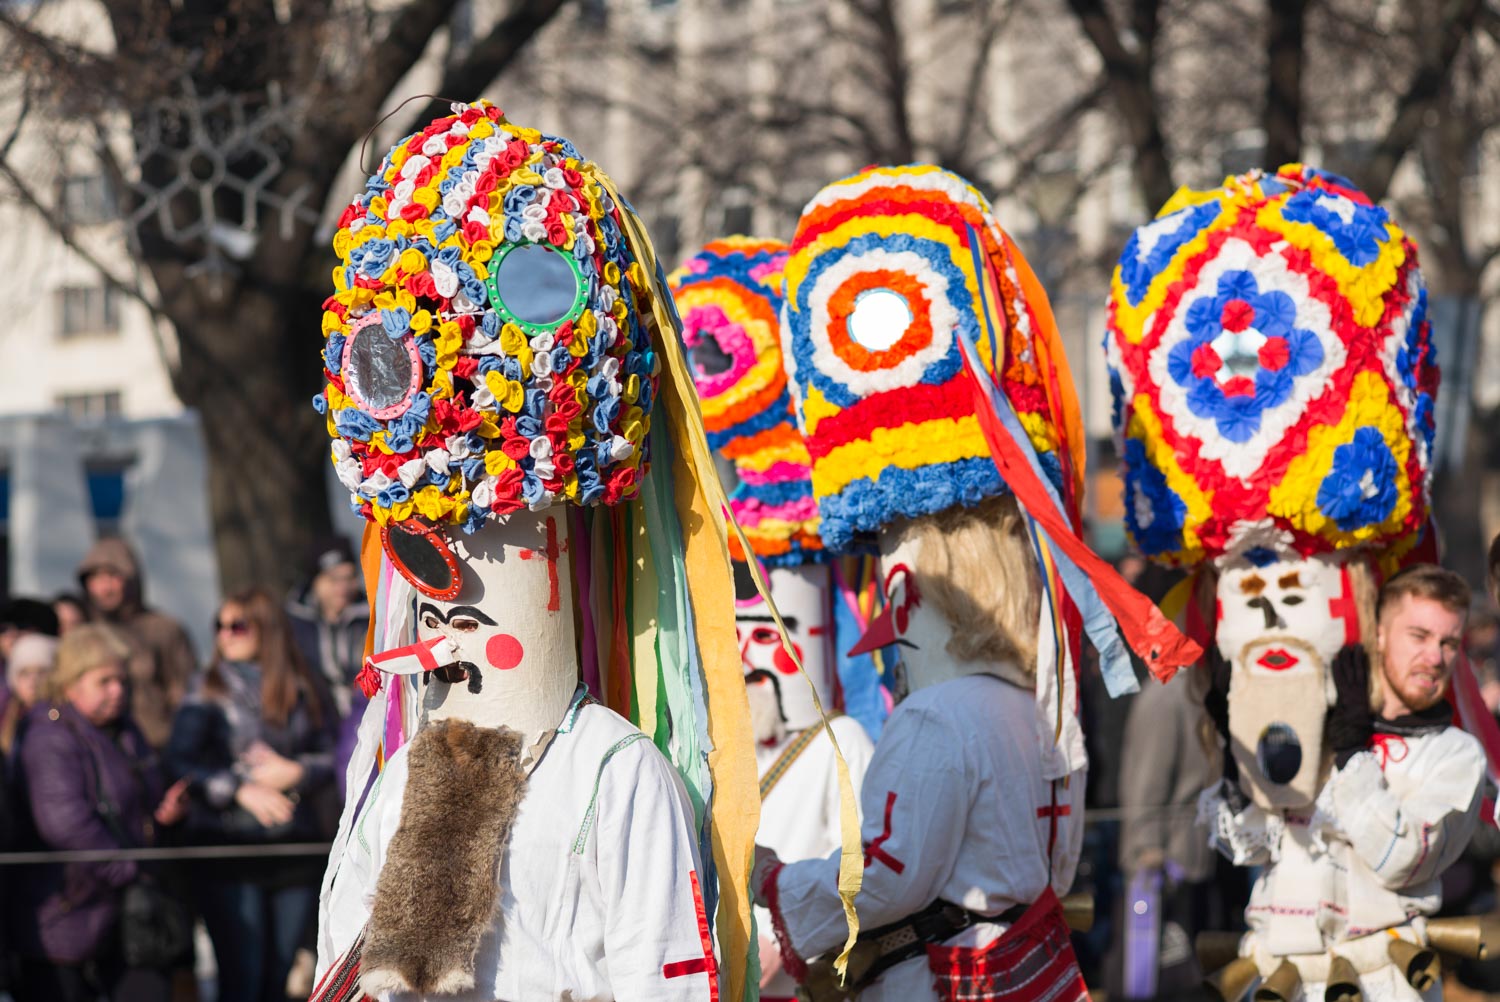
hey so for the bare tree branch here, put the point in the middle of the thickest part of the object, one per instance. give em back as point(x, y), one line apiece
point(58, 224)
point(1282, 115)
point(1437, 53)
point(1129, 76)
point(465, 78)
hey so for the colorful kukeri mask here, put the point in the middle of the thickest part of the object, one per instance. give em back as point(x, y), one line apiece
point(1273, 379)
point(886, 269)
point(1280, 626)
point(802, 598)
point(487, 358)
point(486, 349)
point(729, 298)
point(889, 270)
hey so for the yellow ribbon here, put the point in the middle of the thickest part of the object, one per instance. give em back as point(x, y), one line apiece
point(711, 585)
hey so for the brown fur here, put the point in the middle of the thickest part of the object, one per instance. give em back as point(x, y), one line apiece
point(439, 888)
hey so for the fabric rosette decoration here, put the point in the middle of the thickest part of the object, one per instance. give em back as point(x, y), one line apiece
point(729, 298)
point(485, 348)
point(1272, 373)
point(890, 271)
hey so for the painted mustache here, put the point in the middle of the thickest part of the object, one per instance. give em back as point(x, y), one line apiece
point(455, 673)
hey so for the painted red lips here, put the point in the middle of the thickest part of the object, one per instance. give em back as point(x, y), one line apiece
point(1277, 659)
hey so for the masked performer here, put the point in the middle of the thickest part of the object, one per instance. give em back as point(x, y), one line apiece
point(491, 361)
point(1274, 387)
point(905, 305)
point(729, 298)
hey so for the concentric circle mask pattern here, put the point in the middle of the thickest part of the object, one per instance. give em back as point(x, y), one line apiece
point(1272, 372)
point(485, 347)
point(729, 298)
point(888, 269)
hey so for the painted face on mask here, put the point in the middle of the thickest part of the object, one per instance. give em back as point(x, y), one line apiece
point(1279, 626)
point(801, 595)
point(510, 628)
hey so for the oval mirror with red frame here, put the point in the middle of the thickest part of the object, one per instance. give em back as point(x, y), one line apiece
point(422, 556)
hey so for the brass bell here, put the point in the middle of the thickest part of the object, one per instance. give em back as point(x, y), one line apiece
point(1232, 981)
point(1473, 937)
point(1419, 964)
point(1281, 986)
point(1343, 982)
point(1078, 911)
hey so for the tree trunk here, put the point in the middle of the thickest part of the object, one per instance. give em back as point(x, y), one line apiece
point(1282, 115)
point(1129, 75)
point(250, 367)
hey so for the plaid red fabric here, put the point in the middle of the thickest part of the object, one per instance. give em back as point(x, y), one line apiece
point(1032, 961)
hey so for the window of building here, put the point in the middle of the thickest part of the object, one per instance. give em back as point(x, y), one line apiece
point(86, 408)
point(738, 215)
point(106, 482)
point(665, 236)
point(86, 199)
point(87, 309)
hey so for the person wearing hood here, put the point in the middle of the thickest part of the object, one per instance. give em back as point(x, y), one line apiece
point(330, 618)
point(161, 660)
point(329, 621)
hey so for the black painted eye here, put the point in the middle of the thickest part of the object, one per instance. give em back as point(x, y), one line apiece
point(1292, 600)
point(708, 358)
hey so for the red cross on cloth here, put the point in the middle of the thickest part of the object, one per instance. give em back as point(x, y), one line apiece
point(551, 553)
point(873, 851)
point(698, 965)
point(1344, 608)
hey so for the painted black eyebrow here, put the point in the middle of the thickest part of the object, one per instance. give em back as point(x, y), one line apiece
point(457, 610)
point(790, 621)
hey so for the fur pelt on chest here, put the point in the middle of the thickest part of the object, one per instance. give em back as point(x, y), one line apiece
point(437, 893)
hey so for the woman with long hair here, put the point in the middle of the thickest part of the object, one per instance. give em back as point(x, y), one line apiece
point(254, 738)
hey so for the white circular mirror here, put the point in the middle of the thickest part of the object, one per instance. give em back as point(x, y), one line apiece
point(879, 318)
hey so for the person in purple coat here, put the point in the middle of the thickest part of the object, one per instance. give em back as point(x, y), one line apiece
point(90, 781)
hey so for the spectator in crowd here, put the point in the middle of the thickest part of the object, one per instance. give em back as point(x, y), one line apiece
point(1494, 574)
point(71, 610)
point(31, 661)
point(91, 781)
point(330, 619)
point(161, 659)
point(252, 737)
point(1168, 865)
point(18, 617)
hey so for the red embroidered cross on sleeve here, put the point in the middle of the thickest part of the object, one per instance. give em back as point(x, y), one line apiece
point(873, 851)
point(698, 965)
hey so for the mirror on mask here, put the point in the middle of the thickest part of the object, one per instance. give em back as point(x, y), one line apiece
point(379, 370)
point(420, 558)
point(879, 318)
point(536, 284)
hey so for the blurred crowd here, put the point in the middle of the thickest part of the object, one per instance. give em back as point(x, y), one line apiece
point(115, 735)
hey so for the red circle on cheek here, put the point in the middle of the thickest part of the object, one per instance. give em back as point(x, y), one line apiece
point(503, 651)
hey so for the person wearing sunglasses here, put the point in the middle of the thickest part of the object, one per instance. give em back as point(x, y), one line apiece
point(254, 739)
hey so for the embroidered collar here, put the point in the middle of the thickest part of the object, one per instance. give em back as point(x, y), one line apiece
point(581, 698)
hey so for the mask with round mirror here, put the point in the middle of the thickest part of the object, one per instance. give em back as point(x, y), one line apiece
point(381, 373)
point(536, 287)
point(879, 319)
